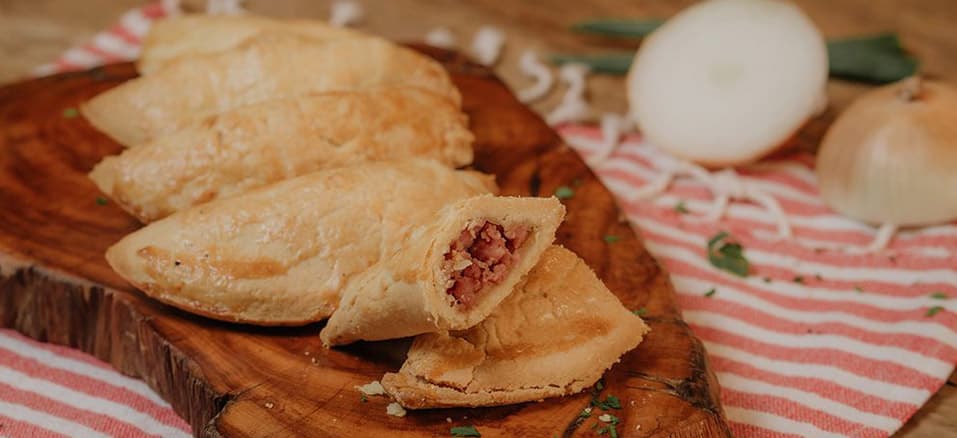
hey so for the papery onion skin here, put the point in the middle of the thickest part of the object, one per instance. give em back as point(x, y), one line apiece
point(888, 159)
point(726, 82)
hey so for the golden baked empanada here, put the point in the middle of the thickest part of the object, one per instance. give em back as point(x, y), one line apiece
point(281, 254)
point(200, 34)
point(268, 66)
point(556, 334)
point(451, 273)
point(255, 145)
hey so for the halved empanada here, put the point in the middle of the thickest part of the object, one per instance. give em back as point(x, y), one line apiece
point(255, 145)
point(280, 255)
point(450, 274)
point(200, 34)
point(556, 334)
point(267, 67)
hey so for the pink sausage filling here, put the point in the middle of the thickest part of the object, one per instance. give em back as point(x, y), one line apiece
point(481, 256)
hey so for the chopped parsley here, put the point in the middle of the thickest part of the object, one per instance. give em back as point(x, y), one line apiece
point(611, 428)
point(599, 385)
point(680, 208)
point(70, 113)
point(818, 277)
point(767, 279)
point(728, 256)
point(609, 238)
point(577, 182)
point(933, 311)
point(710, 293)
point(939, 296)
point(799, 279)
point(610, 402)
point(585, 413)
point(101, 200)
point(564, 192)
point(363, 398)
point(858, 289)
point(640, 312)
point(465, 431)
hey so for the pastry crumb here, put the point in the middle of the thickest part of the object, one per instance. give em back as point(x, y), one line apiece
point(372, 388)
point(394, 409)
point(448, 419)
point(269, 405)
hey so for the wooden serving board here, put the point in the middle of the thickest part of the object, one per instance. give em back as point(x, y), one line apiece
point(235, 380)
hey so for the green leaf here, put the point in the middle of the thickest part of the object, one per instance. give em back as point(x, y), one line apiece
point(101, 200)
point(564, 192)
point(939, 296)
point(611, 238)
point(858, 289)
point(70, 113)
point(618, 27)
point(767, 279)
point(727, 256)
point(799, 279)
point(933, 311)
point(465, 431)
point(640, 312)
point(616, 63)
point(873, 58)
point(363, 398)
point(710, 293)
point(680, 207)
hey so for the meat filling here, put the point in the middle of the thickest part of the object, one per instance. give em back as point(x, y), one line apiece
point(481, 256)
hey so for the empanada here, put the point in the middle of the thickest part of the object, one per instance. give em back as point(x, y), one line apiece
point(555, 335)
point(255, 145)
point(268, 66)
point(281, 254)
point(200, 34)
point(450, 274)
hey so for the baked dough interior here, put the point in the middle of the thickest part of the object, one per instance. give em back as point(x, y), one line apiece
point(480, 257)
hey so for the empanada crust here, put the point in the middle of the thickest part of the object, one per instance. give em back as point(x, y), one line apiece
point(259, 144)
point(196, 87)
point(280, 255)
point(556, 334)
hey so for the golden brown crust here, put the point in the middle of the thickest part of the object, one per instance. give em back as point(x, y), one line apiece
point(405, 294)
point(556, 334)
point(258, 70)
point(280, 255)
point(258, 144)
point(200, 34)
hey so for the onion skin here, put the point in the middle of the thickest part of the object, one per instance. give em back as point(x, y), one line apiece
point(891, 157)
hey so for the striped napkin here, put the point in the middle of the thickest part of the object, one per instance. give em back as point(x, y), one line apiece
point(816, 342)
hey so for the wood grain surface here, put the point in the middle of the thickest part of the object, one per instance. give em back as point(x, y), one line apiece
point(234, 380)
point(34, 32)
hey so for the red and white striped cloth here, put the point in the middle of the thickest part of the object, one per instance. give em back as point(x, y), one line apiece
point(849, 351)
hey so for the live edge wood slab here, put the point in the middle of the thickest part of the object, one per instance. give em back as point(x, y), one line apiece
point(235, 380)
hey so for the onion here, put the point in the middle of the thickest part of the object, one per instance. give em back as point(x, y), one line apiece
point(891, 157)
point(726, 82)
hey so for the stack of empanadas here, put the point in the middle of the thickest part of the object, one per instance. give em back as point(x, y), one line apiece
point(290, 173)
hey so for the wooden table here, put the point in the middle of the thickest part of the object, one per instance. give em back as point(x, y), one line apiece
point(33, 32)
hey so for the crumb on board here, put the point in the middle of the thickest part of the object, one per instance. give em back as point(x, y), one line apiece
point(372, 388)
point(394, 409)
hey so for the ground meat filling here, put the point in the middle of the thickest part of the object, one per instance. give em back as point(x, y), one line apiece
point(481, 256)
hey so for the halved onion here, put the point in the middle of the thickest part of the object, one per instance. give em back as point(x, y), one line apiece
point(725, 82)
point(891, 157)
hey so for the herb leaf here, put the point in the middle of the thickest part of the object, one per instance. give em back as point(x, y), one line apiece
point(680, 207)
point(610, 402)
point(618, 27)
point(70, 113)
point(611, 238)
point(363, 398)
point(933, 311)
point(101, 200)
point(799, 279)
point(710, 293)
point(640, 312)
point(939, 296)
point(727, 256)
point(465, 431)
point(858, 289)
point(564, 192)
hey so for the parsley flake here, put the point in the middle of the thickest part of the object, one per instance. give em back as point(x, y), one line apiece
point(858, 289)
point(609, 238)
point(799, 279)
point(680, 208)
point(939, 296)
point(564, 192)
point(70, 113)
point(710, 293)
point(585, 413)
point(363, 398)
point(610, 402)
point(600, 385)
point(465, 431)
point(933, 311)
point(101, 200)
point(577, 182)
point(611, 429)
point(728, 256)
point(767, 279)
point(818, 277)
point(640, 312)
